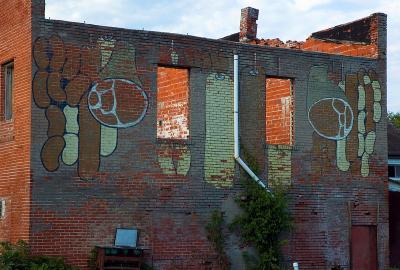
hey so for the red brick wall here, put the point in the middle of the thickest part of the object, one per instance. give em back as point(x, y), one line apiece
point(346, 47)
point(319, 45)
point(343, 48)
point(172, 103)
point(15, 44)
point(160, 186)
point(334, 45)
point(279, 111)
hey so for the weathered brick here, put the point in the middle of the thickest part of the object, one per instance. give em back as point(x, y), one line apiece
point(101, 164)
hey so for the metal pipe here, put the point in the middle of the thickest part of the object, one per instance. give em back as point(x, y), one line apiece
point(236, 103)
point(236, 124)
point(251, 173)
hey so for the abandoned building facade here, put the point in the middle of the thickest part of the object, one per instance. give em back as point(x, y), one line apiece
point(104, 128)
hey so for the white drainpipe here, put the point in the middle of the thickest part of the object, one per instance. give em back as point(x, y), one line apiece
point(236, 123)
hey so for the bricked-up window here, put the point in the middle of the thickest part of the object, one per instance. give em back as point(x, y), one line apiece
point(279, 111)
point(7, 77)
point(172, 103)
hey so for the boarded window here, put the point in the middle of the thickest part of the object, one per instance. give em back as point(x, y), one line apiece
point(172, 103)
point(279, 111)
point(7, 90)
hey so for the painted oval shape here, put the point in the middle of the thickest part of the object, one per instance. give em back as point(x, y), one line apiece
point(71, 118)
point(56, 120)
point(70, 153)
point(361, 98)
point(118, 103)
point(40, 53)
point(108, 142)
point(370, 142)
point(51, 152)
point(331, 118)
point(377, 112)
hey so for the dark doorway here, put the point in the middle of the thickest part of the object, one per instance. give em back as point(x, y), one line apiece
point(363, 248)
point(394, 228)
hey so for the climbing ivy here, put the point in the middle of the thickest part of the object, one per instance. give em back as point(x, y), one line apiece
point(264, 218)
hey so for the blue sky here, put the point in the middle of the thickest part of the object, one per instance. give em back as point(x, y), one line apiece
point(285, 19)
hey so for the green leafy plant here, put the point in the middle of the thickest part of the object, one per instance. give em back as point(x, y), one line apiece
point(216, 237)
point(48, 263)
point(394, 118)
point(265, 217)
point(14, 256)
point(17, 257)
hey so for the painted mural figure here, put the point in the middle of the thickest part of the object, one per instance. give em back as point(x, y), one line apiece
point(88, 93)
point(344, 113)
point(108, 99)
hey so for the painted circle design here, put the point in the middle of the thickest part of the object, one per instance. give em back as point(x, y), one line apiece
point(331, 118)
point(117, 103)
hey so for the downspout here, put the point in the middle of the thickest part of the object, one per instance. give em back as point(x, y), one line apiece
point(236, 123)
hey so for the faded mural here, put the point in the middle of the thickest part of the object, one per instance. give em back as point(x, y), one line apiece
point(369, 113)
point(219, 165)
point(174, 159)
point(279, 165)
point(88, 93)
point(345, 113)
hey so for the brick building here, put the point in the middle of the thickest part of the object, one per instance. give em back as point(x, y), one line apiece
point(105, 128)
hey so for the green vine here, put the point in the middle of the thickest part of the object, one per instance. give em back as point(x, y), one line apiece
point(265, 217)
point(215, 236)
point(17, 257)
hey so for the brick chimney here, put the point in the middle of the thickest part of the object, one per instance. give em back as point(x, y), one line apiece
point(248, 24)
point(38, 8)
